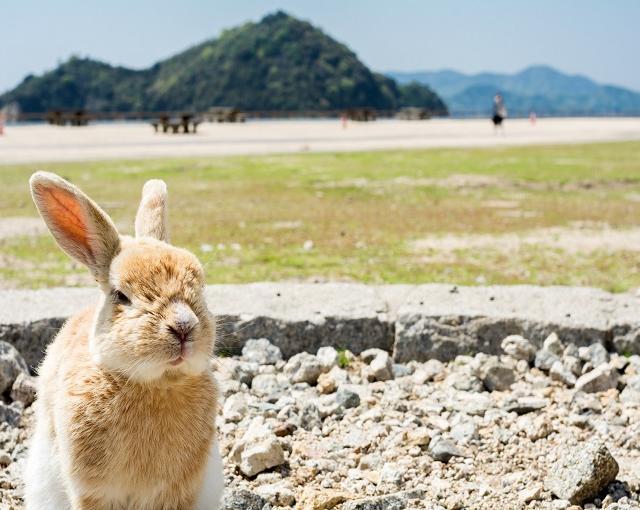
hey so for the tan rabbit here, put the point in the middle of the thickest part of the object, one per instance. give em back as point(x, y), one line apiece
point(125, 414)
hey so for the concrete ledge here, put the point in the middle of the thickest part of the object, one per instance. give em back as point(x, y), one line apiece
point(414, 322)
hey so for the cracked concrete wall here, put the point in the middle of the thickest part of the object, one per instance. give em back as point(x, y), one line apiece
point(414, 322)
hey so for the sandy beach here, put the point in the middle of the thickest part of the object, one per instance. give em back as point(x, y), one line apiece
point(44, 143)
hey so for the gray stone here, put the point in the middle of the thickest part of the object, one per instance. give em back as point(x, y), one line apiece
point(524, 405)
point(475, 404)
point(415, 322)
point(303, 367)
point(11, 365)
point(518, 348)
point(240, 371)
point(397, 501)
point(303, 317)
point(559, 372)
point(442, 449)
point(544, 360)
point(581, 472)
point(400, 370)
point(10, 414)
point(261, 351)
point(434, 322)
point(310, 416)
point(347, 399)
point(242, 499)
point(497, 376)
point(602, 378)
point(596, 353)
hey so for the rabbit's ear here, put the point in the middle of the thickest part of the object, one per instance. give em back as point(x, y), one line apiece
point(80, 227)
point(151, 219)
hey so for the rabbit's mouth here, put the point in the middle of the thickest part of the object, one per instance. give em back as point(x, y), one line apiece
point(176, 361)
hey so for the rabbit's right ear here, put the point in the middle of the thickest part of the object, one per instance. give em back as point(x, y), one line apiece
point(79, 226)
point(151, 218)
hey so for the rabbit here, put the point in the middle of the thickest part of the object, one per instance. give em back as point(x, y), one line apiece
point(126, 402)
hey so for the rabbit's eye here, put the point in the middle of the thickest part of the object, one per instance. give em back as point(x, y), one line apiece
point(120, 298)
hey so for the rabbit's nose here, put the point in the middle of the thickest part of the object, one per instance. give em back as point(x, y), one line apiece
point(184, 320)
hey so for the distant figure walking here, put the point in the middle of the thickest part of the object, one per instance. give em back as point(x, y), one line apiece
point(499, 113)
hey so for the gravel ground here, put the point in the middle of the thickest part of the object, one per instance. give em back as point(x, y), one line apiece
point(553, 429)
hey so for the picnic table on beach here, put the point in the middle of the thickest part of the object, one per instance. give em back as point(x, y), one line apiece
point(185, 123)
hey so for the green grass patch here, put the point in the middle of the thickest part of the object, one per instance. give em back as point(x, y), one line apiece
point(251, 218)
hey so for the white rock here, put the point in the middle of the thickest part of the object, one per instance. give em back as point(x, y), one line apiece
point(519, 348)
point(328, 358)
point(268, 384)
point(259, 456)
point(581, 472)
point(428, 371)
point(599, 379)
point(544, 359)
point(553, 345)
point(381, 367)
point(258, 449)
point(334, 378)
point(529, 494)
point(303, 367)
point(391, 474)
point(558, 372)
point(235, 408)
point(368, 355)
point(596, 354)
point(24, 389)
point(278, 494)
point(464, 431)
point(261, 351)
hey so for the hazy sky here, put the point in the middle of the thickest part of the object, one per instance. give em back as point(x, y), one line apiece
point(594, 37)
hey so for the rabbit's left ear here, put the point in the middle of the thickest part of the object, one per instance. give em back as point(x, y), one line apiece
point(77, 223)
point(151, 219)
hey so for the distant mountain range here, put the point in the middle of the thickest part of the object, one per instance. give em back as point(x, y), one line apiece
point(280, 63)
point(540, 89)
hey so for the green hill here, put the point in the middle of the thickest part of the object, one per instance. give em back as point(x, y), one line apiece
point(280, 63)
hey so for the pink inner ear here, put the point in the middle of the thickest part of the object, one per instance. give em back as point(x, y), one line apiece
point(66, 213)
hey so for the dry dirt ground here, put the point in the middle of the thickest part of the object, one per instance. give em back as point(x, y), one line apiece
point(39, 142)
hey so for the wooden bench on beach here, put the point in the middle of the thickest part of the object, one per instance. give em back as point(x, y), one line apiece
point(62, 118)
point(185, 123)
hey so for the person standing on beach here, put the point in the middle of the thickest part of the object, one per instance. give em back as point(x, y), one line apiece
point(499, 113)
